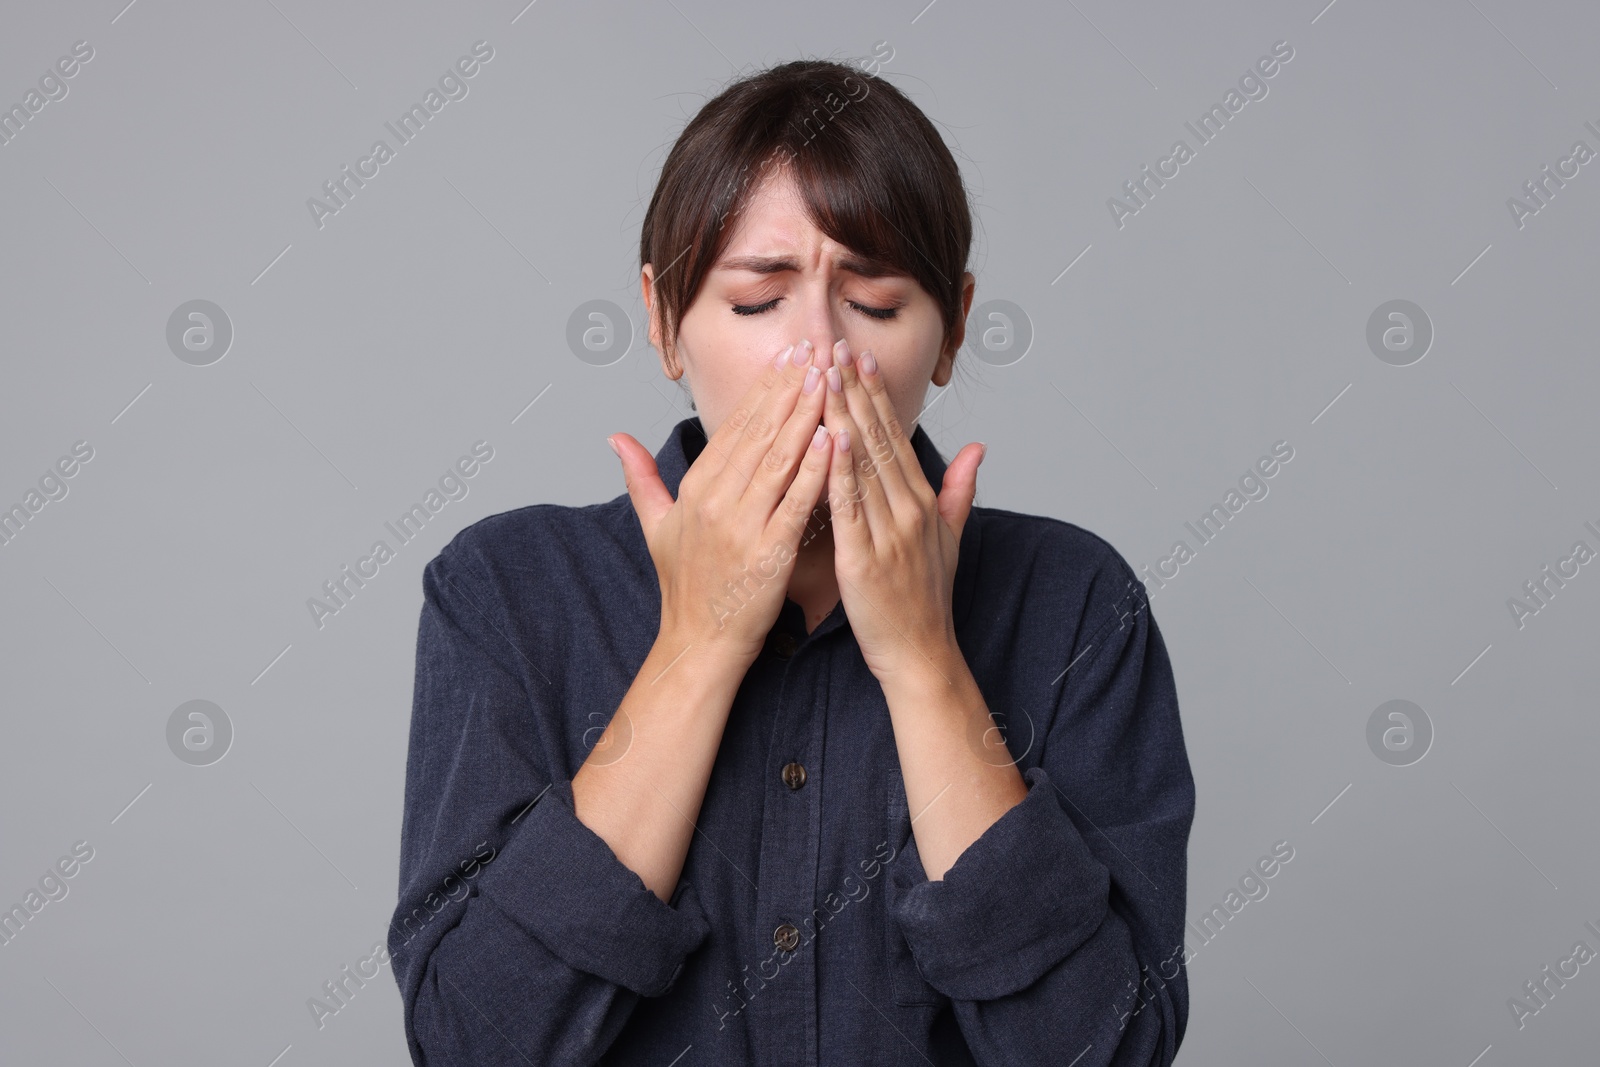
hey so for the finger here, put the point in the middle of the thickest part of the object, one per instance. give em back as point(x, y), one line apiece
point(867, 488)
point(776, 469)
point(649, 494)
point(851, 531)
point(761, 426)
point(883, 437)
point(960, 487)
point(721, 446)
point(797, 520)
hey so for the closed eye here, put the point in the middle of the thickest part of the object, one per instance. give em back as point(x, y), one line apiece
point(872, 312)
point(869, 311)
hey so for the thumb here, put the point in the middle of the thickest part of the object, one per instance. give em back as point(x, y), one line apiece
point(960, 487)
point(649, 494)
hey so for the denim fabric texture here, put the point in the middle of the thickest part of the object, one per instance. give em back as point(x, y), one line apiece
point(519, 938)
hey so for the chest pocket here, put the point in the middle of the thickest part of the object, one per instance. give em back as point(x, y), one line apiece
point(906, 980)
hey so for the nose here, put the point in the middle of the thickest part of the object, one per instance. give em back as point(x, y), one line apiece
point(823, 333)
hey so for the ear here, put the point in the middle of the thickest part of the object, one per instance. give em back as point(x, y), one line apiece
point(652, 310)
point(947, 358)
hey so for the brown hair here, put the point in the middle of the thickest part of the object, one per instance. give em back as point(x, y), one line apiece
point(873, 172)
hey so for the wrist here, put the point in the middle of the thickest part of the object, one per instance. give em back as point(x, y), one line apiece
point(935, 671)
point(696, 655)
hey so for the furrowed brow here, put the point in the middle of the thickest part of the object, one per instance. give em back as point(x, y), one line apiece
point(866, 268)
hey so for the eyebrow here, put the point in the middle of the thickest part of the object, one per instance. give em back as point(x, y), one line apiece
point(866, 268)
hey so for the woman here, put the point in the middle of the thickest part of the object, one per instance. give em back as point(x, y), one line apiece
point(792, 755)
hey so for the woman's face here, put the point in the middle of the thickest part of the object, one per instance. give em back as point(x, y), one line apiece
point(781, 280)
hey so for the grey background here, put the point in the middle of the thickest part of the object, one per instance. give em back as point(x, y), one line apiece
point(1229, 314)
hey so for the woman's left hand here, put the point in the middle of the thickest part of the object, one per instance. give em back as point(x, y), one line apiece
point(896, 542)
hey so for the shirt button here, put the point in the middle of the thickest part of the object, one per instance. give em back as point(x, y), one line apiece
point(784, 644)
point(786, 937)
point(794, 775)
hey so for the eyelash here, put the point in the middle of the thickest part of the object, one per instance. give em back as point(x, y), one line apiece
point(881, 314)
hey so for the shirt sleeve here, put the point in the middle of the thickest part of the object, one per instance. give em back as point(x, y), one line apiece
point(519, 936)
point(1058, 933)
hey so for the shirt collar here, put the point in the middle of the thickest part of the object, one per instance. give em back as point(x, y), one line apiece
point(687, 439)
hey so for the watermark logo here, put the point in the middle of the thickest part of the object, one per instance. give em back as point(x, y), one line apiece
point(831, 105)
point(877, 61)
point(1252, 887)
point(199, 333)
point(1542, 588)
point(1399, 333)
point(999, 333)
point(608, 748)
point(1252, 487)
point(342, 988)
point(1399, 733)
point(855, 890)
point(990, 739)
point(452, 485)
point(1542, 188)
point(52, 486)
point(599, 333)
point(1541, 990)
point(1252, 86)
point(52, 88)
point(52, 888)
point(482, 855)
point(199, 733)
point(342, 189)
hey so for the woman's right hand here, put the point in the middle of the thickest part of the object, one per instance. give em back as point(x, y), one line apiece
point(725, 548)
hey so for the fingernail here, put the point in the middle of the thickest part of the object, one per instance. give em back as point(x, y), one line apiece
point(811, 380)
point(841, 353)
point(983, 450)
point(614, 448)
point(820, 436)
point(835, 382)
point(802, 354)
point(869, 365)
point(843, 438)
point(778, 363)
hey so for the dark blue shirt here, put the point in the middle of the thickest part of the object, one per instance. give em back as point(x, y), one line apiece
point(804, 929)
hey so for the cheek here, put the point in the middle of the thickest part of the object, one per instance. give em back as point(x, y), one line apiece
point(719, 374)
point(907, 395)
point(908, 372)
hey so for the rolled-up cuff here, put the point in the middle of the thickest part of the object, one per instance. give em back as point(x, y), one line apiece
point(562, 883)
point(1020, 899)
